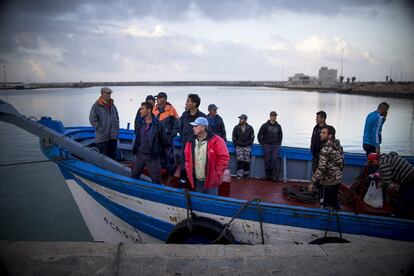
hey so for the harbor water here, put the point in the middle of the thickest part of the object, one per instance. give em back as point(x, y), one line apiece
point(35, 203)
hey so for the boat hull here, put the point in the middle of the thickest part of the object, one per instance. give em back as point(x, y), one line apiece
point(144, 213)
point(137, 211)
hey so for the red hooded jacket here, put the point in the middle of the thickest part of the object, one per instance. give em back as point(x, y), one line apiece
point(217, 161)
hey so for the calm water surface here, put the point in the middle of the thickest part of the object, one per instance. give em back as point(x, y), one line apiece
point(36, 204)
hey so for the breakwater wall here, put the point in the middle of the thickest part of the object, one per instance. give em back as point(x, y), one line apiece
point(377, 89)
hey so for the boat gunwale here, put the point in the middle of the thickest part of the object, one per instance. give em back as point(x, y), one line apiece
point(133, 184)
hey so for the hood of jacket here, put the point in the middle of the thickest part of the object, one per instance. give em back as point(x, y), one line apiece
point(336, 144)
point(101, 101)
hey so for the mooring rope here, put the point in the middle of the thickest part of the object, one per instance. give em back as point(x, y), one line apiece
point(189, 209)
point(25, 163)
point(260, 210)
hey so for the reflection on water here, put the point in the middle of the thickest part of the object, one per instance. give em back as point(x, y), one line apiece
point(296, 110)
point(36, 203)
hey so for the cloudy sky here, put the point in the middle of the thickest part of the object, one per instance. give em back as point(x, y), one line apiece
point(166, 40)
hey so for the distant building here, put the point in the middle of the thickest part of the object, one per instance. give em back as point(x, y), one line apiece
point(327, 76)
point(302, 79)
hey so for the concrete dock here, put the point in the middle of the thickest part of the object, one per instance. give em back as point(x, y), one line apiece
point(76, 258)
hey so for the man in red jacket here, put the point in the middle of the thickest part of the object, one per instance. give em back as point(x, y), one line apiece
point(206, 158)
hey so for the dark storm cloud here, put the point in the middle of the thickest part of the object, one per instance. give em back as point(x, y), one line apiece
point(89, 35)
point(44, 10)
point(41, 16)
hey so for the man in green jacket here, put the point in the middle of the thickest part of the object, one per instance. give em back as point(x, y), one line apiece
point(330, 168)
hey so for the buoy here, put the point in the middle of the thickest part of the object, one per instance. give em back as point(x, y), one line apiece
point(203, 231)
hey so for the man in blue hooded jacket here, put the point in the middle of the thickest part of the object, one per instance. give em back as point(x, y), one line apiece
point(373, 127)
point(148, 144)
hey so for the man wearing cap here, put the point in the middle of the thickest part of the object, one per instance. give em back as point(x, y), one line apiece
point(396, 171)
point(206, 158)
point(270, 137)
point(169, 119)
point(104, 118)
point(361, 183)
point(151, 99)
point(216, 122)
point(186, 132)
point(243, 137)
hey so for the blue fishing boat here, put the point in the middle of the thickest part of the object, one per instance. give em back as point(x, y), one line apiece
point(117, 208)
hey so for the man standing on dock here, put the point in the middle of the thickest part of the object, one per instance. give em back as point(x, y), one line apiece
point(148, 143)
point(206, 158)
point(186, 132)
point(270, 136)
point(315, 146)
point(243, 137)
point(104, 118)
point(330, 168)
point(373, 128)
point(169, 119)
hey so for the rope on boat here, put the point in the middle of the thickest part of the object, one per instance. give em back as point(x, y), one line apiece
point(326, 239)
point(189, 209)
point(260, 210)
point(25, 163)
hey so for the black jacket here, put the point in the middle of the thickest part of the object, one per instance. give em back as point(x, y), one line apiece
point(217, 125)
point(156, 135)
point(186, 130)
point(316, 144)
point(270, 134)
point(243, 139)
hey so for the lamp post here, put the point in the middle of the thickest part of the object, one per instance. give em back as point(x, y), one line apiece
point(342, 63)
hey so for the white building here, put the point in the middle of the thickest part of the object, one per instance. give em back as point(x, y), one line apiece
point(327, 76)
point(302, 79)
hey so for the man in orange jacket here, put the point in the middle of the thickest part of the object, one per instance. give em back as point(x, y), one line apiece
point(169, 119)
point(206, 158)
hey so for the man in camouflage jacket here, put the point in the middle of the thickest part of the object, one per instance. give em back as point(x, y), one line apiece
point(330, 168)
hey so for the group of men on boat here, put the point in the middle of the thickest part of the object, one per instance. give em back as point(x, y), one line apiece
point(204, 156)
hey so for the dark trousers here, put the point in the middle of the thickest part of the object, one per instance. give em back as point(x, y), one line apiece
point(243, 168)
point(199, 186)
point(107, 148)
point(271, 158)
point(152, 163)
point(168, 159)
point(329, 196)
point(315, 162)
point(405, 205)
point(368, 149)
point(183, 172)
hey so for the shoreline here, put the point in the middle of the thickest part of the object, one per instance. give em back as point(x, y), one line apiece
point(375, 89)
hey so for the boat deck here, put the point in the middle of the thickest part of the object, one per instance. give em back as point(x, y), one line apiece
point(271, 192)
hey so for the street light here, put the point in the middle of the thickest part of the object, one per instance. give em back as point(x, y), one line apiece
point(342, 63)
